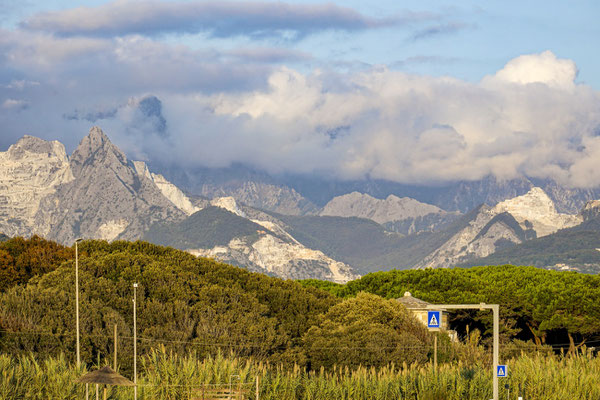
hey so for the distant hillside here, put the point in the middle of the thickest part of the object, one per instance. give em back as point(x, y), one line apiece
point(576, 247)
point(207, 228)
point(363, 243)
point(3, 237)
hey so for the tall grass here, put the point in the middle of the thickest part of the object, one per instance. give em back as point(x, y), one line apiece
point(167, 376)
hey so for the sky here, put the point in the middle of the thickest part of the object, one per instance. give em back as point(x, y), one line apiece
point(413, 91)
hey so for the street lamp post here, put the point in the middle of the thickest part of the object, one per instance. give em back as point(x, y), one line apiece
point(135, 285)
point(77, 299)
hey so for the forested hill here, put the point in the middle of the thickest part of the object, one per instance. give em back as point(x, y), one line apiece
point(195, 304)
point(535, 304)
point(189, 304)
point(180, 298)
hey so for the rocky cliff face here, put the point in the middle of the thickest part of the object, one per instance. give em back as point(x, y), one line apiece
point(30, 170)
point(265, 196)
point(170, 191)
point(511, 221)
point(273, 256)
point(273, 250)
point(403, 215)
point(107, 198)
point(591, 210)
point(535, 210)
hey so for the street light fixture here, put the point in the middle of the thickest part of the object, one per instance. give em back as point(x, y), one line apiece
point(77, 298)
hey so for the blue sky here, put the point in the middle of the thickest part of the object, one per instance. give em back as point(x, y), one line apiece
point(409, 91)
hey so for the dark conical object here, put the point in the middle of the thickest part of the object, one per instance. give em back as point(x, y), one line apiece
point(105, 376)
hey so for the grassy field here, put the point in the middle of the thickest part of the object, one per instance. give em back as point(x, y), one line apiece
point(169, 376)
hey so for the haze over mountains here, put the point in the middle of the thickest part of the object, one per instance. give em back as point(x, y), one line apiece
point(292, 227)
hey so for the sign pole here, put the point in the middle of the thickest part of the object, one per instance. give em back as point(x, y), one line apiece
point(435, 353)
point(496, 310)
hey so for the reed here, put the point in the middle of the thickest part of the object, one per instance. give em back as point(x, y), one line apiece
point(168, 376)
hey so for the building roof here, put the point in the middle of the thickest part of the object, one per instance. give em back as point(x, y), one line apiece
point(411, 302)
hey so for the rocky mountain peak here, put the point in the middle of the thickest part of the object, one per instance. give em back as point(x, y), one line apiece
point(229, 204)
point(32, 144)
point(108, 198)
point(536, 210)
point(96, 147)
point(31, 169)
point(393, 208)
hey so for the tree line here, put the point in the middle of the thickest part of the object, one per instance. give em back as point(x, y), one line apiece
point(190, 304)
point(546, 307)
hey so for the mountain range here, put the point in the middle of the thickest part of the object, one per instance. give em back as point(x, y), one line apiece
point(292, 227)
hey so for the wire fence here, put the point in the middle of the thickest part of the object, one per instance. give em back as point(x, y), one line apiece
point(202, 343)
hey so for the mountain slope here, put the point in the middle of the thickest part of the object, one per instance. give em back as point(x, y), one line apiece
point(225, 232)
point(576, 247)
point(107, 198)
point(362, 243)
point(30, 170)
point(207, 228)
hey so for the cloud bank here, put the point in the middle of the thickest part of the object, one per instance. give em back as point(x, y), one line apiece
point(529, 118)
point(214, 18)
point(215, 108)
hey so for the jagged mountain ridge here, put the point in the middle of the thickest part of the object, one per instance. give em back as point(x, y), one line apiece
point(574, 248)
point(402, 215)
point(99, 193)
point(30, 170)
point(107, 198)
point(311, 193)
point(224, 232)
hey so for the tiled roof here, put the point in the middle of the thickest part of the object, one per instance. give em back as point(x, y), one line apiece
point(412, 302)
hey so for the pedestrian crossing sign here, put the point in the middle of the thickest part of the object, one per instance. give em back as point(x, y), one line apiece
point(502, 371)
point(433, 319)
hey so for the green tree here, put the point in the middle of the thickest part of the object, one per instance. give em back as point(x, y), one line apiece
point(367, 330)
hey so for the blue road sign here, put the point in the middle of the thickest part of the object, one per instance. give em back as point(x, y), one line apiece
point(434, 319)
point(502, 371)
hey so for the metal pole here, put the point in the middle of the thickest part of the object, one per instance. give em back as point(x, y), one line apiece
point(135, 285)
point(257, 391)
point(495, 309)
point(496, 350)
point(77, 300)
point(435, 342)
point(115, 360)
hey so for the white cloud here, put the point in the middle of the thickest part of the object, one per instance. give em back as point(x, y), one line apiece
point(539, 68)
point(529, 118)
point(408, 128)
